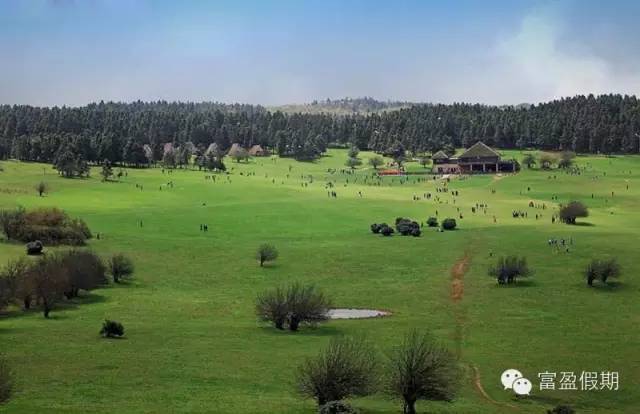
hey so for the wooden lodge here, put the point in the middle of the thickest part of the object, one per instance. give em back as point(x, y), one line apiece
point(479, 158)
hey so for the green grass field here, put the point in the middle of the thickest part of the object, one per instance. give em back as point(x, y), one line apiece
point(193, 344)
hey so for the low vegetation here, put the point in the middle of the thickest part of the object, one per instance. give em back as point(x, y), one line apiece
point(408, 227)
point(602, 270)
point(509, 268)
point(292, 306)
point(111, 329)
point(449, 224)
point(120, 267)
point(51, 226)
point(51, 278)
point(266, 253)
point(573, 210)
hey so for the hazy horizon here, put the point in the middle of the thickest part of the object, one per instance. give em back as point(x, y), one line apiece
point(66, 52)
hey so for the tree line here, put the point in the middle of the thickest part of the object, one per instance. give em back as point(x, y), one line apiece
point(136, 133)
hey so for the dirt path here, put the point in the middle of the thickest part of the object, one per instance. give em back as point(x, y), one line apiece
point(456, 295)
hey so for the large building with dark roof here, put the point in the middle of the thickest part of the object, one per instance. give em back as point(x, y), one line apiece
point(479, 158)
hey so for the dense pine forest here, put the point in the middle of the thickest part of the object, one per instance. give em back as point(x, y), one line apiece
point(135, 133)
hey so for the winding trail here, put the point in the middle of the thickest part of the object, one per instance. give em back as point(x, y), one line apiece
point(458, 271)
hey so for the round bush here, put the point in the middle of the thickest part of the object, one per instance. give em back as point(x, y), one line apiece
point(406, 226)
point(449, 224)
point(111, 329)
point(432, 222)
point(386, 231)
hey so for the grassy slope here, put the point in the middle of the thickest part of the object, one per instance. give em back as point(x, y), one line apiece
point(193, 344)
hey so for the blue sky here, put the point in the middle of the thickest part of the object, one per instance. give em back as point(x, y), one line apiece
point(71, 52)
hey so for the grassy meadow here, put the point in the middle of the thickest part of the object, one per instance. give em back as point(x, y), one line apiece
point(193, 344)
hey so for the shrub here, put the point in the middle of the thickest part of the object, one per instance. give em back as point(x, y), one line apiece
point(432, 222)
point(11, 222)
point(345, 368)
point(85, 271)
point(509, 268)
point(11, 278)
point(449, 224)
point(306, 304)
point(271, 306)
point(34, 247)
point(6, 380)
point(42, 188)
point(120, 267)
point(376, 161)
point(49, 225)
point(386, 231)
point(46, 280)
point(601, 269)
point(337, 407)
point(266, 253)
point(573, 210)
point(111, 329)
point(407, 227)
point(422, 369)
point(292, 306)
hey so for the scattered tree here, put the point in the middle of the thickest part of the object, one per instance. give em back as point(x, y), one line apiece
point(601, 270)
point(345, 368)
point(107, 171)
point(266, 253)
point(306, 304)
point(42, 188)
point(566, 159)
point(353, 162)
point(376, 161)
point(397, 152)
point(120, 267)
point(509, 268)
point(547, 160)
point(46, 281)
point(292, 306)
point(421, 369)
point(272, 306)
point(85, 270)
point(424, 161)
point(529, 160)
point(432, 222)
point(570, 212)
point(353, 152)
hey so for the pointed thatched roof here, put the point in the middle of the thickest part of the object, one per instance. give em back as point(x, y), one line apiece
point(168, 147)
point(213, 147)
point(256, 150)
point(479, 150)
point(235, 147)
point(440, 155)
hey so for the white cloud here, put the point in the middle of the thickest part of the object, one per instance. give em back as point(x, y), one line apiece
point(540, 55)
